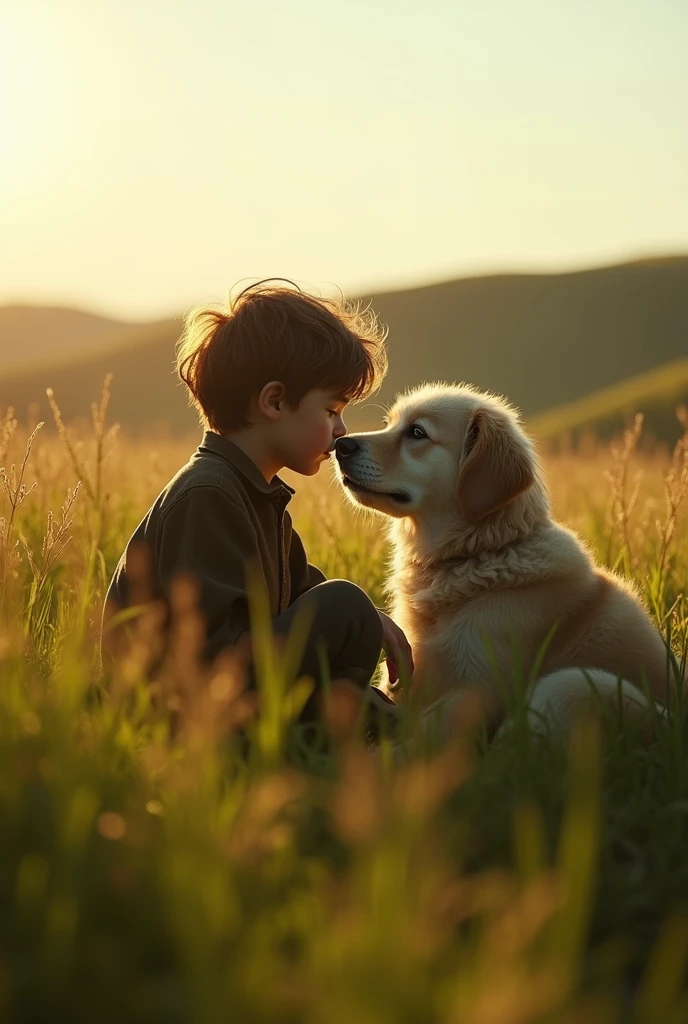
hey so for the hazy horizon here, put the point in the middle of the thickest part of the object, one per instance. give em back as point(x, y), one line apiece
point(407, 285)
point(155, 156)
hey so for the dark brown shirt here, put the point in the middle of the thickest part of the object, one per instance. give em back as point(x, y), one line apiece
point(215, 516)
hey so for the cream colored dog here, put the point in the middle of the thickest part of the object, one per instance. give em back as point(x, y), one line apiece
point(482, 574)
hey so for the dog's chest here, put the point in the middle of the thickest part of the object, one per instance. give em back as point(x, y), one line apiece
point(447, 644)
point(448, 649)
point(460, 631)
point(422, 598)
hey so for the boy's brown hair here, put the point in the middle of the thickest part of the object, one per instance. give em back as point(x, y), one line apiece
point(277, 333)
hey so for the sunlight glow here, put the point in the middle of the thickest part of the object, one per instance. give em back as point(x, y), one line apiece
point(154, 154)
point(23, 109)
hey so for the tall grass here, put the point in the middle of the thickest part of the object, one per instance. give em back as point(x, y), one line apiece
point(169, 855)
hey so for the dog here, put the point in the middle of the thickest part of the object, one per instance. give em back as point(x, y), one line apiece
point(483, 581)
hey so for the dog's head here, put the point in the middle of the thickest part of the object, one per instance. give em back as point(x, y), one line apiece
point(445, 449)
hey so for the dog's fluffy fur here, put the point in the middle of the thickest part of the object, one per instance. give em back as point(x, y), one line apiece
point(481, 573)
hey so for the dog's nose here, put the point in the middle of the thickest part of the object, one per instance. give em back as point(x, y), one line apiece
point(345, 446)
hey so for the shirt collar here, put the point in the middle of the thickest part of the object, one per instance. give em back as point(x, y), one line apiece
point(276, 489)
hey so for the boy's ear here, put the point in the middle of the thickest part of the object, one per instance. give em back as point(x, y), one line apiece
point(271, 396)
point(495, 468)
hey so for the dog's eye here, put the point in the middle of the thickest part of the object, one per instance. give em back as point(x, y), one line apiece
point(416, 431)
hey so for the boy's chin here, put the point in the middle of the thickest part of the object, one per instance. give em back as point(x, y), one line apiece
point(320, 460)
point(309, 468)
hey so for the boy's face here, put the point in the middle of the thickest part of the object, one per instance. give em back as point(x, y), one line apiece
point(307, 434)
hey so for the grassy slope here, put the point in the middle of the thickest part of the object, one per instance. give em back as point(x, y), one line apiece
point(657, 394)
point(543, 340)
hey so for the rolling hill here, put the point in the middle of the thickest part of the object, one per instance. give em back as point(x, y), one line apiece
point(33, 335)
point(661, 395)
point(543, 340)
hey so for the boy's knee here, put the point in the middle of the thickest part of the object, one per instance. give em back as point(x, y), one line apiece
point(348, 623)
point(343, 594)
point(342, 600)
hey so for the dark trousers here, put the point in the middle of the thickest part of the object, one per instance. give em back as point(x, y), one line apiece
point(344, 640)
point(345, 628)
point(345, 634)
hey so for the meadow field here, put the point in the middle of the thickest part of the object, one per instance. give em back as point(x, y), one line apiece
point(168, 855)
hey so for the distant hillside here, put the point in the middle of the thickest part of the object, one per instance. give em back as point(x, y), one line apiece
point(658, 394)
point(541, 339)
point(39, 334)
point(145, 392)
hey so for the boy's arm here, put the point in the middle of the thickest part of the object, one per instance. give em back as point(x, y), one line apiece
point(209, 536)
point(303, 574)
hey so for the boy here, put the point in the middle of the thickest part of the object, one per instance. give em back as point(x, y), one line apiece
point(270, 380)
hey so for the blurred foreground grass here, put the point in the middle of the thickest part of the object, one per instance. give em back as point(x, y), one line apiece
point(152, 868)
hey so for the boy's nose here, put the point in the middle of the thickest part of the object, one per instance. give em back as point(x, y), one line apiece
point(345, 446)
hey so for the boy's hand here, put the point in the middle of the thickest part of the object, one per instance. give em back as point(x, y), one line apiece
point(396, 647)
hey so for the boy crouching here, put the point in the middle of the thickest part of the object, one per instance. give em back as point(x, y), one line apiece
point(270, 378)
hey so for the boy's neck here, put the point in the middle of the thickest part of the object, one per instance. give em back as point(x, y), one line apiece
point(257, 449)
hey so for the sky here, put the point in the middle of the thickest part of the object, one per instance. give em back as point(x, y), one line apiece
point(158, 153)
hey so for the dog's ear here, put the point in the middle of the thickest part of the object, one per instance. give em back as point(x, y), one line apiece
point(495, 467)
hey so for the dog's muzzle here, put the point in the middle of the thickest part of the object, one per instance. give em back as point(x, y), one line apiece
point(345, 447)
point(346, 450)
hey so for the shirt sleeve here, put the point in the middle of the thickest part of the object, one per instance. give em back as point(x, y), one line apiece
point(209, 536)
point(303, 574)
